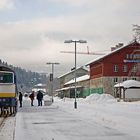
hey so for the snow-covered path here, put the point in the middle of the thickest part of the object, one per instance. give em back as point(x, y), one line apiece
point(89, 122)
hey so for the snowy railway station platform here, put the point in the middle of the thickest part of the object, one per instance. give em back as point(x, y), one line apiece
point(97, 117)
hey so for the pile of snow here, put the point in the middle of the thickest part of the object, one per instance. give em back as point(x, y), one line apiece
point(47, 100)
point(100, 98)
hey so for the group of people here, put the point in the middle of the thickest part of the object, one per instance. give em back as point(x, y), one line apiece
point(39, 97)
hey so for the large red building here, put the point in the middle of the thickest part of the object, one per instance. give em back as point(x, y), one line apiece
point(122, 63)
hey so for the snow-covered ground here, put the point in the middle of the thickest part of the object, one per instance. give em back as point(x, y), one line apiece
point(103, 117)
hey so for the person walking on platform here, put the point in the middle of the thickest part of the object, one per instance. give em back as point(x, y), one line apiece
point(20, 99)
point(32, 95)
point(39, 98)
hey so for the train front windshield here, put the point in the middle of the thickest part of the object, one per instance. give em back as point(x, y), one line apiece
point(6, 77)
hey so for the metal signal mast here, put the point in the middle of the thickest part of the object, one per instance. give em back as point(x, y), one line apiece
point(86, 53)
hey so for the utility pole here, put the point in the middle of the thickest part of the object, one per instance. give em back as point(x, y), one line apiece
point(52, 76)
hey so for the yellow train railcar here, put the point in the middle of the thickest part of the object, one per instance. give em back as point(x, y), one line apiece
point(8, 91)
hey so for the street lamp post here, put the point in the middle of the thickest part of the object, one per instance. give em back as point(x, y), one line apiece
point(52, 75)
point(75, 42)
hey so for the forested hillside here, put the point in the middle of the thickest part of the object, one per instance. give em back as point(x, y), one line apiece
point(26, 79)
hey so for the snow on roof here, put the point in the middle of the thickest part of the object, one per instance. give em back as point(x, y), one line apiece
point(117, 49)
point(37, 89)
point(82, 67)
point(67, 88)
point(128, 84)
point(82, 78)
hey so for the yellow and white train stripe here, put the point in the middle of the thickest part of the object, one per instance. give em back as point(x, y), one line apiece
point(7, 90)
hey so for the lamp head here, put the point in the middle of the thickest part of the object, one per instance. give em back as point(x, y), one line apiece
point(68, 41)
point(82, 41)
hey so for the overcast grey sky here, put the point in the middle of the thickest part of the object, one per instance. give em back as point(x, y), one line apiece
point(32, 32)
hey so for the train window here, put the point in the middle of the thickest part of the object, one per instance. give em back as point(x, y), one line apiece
point(1, 78)
point(6, 78)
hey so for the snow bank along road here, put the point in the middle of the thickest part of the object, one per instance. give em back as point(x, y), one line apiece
point(61, 121)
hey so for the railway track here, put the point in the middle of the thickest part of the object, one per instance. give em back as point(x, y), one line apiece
point(2, 120)
point(6, 112)
point(7, 128)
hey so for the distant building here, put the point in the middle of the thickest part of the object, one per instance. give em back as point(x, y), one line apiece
point(70, 75)
point(82, 85)
point(67, 82)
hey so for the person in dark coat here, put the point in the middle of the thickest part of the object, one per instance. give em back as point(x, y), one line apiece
point(20, 99)
point(32, 95)
point(39, 98)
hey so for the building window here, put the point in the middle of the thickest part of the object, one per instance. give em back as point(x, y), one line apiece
point(134, 68)
point(115, 80)
point(124, 68)
point(134, 78)
point(127, 56)
point(124, 79)
point(115, 68)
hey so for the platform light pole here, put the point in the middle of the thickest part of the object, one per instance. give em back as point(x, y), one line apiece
point(52, 75)
point(75, 42)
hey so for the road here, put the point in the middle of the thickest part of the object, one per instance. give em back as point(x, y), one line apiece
point(56, 123)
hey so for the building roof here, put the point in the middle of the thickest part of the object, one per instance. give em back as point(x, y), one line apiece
point(81, 78)
point(112, 52)
point(128, 84)
point(82, 67)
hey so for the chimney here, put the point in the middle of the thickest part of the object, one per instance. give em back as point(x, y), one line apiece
point(113, 48)
point(120, 44)
point(117, 46)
